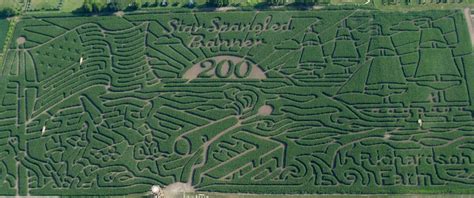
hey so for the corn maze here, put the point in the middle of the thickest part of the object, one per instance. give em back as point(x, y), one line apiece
point(262, 102)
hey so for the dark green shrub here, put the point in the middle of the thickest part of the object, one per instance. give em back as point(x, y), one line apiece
point(219, 3)
point(306, 2)
point(276, 2)
point(93, 6)
point(8, 12)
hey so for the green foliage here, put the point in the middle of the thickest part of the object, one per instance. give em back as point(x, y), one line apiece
point(219, 3)
point(306, 2)
point(41, 5)
point(341, 101)
point(276, 2)
point(8, 12)
point(94, 5)
point(116, 5)
point(71, 5)
point(436, 62)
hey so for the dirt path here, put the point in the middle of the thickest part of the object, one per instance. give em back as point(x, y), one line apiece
point(467, 15)
point(176, 190)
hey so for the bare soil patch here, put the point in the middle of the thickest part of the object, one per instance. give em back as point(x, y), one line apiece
point(176, 189)
point(193, 72)
point(119, 13)
point(223, 9)
point(265, 110)
point(257, 73)
point(20, 40)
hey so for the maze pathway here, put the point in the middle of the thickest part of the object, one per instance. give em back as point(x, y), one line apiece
point(259, 102)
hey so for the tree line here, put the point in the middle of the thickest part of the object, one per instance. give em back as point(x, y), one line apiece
point(96, 6)
point(7, 12)
point(129, 5)
point(110, 5)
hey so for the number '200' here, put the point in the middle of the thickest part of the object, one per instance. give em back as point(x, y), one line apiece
point(225, 69)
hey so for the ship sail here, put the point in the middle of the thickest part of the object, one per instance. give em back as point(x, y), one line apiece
point(386, 70)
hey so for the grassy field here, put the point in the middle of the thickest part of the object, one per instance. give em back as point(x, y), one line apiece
point(9, 4)
point(71, 5)
point(45, 4)
point(346, 101)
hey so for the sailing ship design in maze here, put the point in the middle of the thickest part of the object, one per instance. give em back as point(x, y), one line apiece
point(274, 102)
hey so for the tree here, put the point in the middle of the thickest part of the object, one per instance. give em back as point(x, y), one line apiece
point(191, 3)
point(87, 6)
point(276, 2)
point(219, 3)
point(117, 5)
point(8, 12)
point(94, 5)
point(137, 4)
point(112, 7)
point(98, 5)
point(306, 2)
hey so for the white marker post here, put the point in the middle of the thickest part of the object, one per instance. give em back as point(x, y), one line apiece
point(420, 122)
point(43, 130)
point(81, 61)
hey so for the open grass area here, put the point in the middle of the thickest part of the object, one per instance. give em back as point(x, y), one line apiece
point(9, 4)
point(302, 102)
point(71, 5)
point(45, 4)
